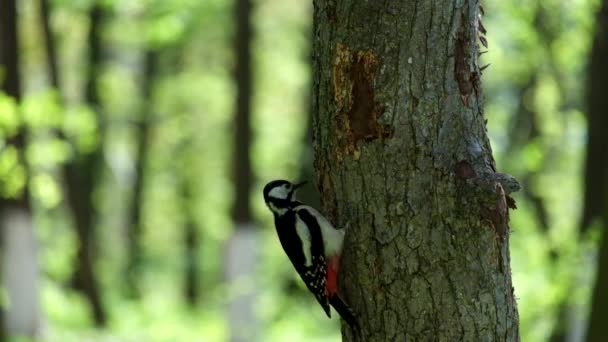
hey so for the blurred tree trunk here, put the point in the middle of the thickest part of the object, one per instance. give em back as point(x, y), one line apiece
point(82, 175)
point(191, 244)
point(135, 225)
point(49, 40)
point(596, 164)
point(597, 168)
point(241, 212)
point(18, 259)
point(242, 247)
point(525, 130)
point(85, 279)
point(403, 161)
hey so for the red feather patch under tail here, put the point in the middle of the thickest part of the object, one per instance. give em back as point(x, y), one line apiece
point(333, 266)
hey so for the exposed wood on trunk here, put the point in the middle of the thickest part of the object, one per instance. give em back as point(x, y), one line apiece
point(597, 167)
point(403, 160)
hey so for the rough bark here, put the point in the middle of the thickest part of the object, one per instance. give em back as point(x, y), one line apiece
point(404, 162)
point(597, 113)
point(82, 175)
point(18, 261)
point(135, 226)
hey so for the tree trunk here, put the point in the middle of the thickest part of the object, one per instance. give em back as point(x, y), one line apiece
point(241, 212)
point(403, 161)
point(135, 226)
point(191, 243)
point(18, 248)
point(597, 112)
point(82, 175)
point(49, 40)
point(596, 164)
point(242, 246)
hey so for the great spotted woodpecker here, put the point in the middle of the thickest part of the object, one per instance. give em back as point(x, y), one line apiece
point(312, 244)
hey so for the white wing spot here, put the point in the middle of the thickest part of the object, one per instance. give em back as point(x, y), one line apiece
point(304, 235)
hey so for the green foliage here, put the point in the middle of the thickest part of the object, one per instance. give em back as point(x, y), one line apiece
point(9, 120)
point(543, 46)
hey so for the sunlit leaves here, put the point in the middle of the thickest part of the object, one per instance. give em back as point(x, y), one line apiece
point(12, 172)
point(532, 156)
point(80, 126)
point(41, 110)
point(542, 45)
point(46, 190)
point(47, 153)
point(9, 119)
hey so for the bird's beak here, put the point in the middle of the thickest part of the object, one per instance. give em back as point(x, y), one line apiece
point(296, 186)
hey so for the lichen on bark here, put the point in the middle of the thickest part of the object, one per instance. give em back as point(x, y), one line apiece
point(403, 160)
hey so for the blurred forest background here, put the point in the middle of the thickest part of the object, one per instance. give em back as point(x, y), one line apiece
point(135, 137)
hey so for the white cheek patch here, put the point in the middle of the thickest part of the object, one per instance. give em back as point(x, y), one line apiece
point(276, 209)
point(279, 192)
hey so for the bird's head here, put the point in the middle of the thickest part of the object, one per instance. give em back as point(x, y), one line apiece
point(280, 195)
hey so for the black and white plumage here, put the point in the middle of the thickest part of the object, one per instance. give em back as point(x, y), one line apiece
point(312, 244)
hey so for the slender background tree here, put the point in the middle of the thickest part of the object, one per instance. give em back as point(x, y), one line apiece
point(596, 199)
point(82, 175)
point(242, 251)
point(18, 247)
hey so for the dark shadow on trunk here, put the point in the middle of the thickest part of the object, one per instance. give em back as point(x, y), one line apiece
point(82, 175)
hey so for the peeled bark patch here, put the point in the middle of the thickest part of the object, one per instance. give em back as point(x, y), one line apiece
point(357, 111)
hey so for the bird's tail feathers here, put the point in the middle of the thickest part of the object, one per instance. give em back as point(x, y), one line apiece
point(345, 311)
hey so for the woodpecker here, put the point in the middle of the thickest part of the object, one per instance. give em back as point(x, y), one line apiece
point(312, 244)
